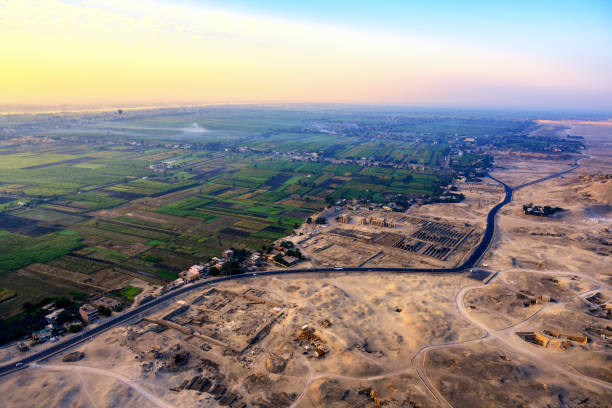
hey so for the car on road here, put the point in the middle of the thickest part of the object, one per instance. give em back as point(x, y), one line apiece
point(19, 364)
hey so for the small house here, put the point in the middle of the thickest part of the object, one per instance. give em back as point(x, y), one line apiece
point(88, 313)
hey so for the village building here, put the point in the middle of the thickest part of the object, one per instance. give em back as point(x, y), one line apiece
point(111, 303)
point(51, 318)
point(42, 335)
point(88, 313)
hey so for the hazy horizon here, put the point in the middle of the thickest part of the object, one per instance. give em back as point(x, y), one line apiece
point(532, 112)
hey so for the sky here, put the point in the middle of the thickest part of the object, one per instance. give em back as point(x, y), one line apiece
point(525, 54)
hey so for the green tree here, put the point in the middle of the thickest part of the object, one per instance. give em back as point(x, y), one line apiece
point(74, 328)
point(104, 311)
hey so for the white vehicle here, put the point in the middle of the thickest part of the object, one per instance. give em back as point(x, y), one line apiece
point(338, 268)
point(18, 364)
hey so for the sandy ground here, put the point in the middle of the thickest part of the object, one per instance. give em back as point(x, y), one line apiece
point(377, 326)
point(509, 380)
point(388, 340)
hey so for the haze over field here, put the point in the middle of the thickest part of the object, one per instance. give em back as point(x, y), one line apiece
point(126, 52)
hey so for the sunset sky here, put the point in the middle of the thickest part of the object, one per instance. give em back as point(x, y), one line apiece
point(542, 54)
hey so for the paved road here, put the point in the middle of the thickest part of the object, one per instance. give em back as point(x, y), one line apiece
point(574, 167)
point(482, 247)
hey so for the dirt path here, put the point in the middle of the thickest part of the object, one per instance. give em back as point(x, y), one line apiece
point(87, 394)
point(80, 369)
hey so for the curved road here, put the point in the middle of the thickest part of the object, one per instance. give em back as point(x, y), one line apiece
point(472, 260)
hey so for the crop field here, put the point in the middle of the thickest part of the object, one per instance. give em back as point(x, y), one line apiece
point(87, 201)
point(46, 174)
point(6, 294)
point(129, 293)
point(18, 250)
point(50, 216)
point(81, 265)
